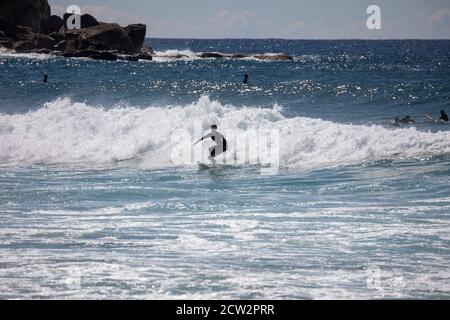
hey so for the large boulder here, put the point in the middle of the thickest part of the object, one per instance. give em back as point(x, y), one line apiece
point(27, 26)
point(88, 21)
point(23, 33)
point(6, 25)
point(136, 32)
point(27, 13)
point(92, 54)
point(6, 43)
point(23, 46)
point(105, 37)
point(45, 42)
point(111, 35)
point(51, 24)
point(210, 55)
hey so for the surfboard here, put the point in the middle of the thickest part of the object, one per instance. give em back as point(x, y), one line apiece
point(204, 166)
point(438, 121)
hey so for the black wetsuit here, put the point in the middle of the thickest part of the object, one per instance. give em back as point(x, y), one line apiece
point(213, 151)
point(444, 117)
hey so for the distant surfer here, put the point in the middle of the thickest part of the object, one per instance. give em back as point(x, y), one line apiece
point(441, 119)
point(444, 116)
point(45, 78)
point(404, 120)
point(245, 79)
point(219, 147)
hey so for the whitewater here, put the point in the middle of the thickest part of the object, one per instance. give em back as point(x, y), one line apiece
point(66, 132)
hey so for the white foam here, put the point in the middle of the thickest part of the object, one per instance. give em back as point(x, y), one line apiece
point(71, 132)
point(169, 55)
point(12, 54)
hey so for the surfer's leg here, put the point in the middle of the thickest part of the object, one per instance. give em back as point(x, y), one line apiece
point(212, 154)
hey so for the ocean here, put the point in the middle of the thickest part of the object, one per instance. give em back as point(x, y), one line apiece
point(102, 197)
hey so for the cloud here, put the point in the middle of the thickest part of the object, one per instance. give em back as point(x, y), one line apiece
point(226, 19)
point(440, 15)
point(246, 24)
point(106, 14)
point(219, 25)
point(175, 28)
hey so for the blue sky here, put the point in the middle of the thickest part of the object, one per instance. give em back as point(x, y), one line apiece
point(292, 19)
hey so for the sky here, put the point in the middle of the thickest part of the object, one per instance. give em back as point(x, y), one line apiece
point(288, 19)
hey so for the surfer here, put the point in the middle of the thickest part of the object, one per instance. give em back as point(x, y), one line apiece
point(245, 79)
point(45, 78)
point(404, 120)
point(219, 147)
point(444, 116)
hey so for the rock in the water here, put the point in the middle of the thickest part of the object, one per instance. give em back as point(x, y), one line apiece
point(136, 32)
point(51, 24)
point(128, 58)
point(41, 51)
point(6, 27)
point(147, 50)
point(238, 56)
point(105, 55)
point(273, 57)
point(27, 13)
point(80, 53)
point(23, 46)
point(27, 26)
point(93, 54)
point(210, 55)
point(111, 35)
point(8, 44)
point(88, 21)
point(144, 56)
point(68, 45)
point(57, 36)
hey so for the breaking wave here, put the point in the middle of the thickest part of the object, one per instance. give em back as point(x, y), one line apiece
point(67, 132)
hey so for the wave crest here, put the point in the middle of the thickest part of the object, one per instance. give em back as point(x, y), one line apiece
point(72, 132)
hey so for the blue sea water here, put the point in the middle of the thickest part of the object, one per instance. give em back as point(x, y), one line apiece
point(92, 204)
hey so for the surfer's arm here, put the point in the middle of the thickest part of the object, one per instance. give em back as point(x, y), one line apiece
point(203, 138)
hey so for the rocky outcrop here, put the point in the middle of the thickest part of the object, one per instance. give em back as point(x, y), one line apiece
point(93, 54)
point(273, 57)
point(27, 26)
point(264, 57)
point(28, 13)
point(51, 24)
point(88, 21)
point(210, 55)
point(106, 36)
point(136, 32)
